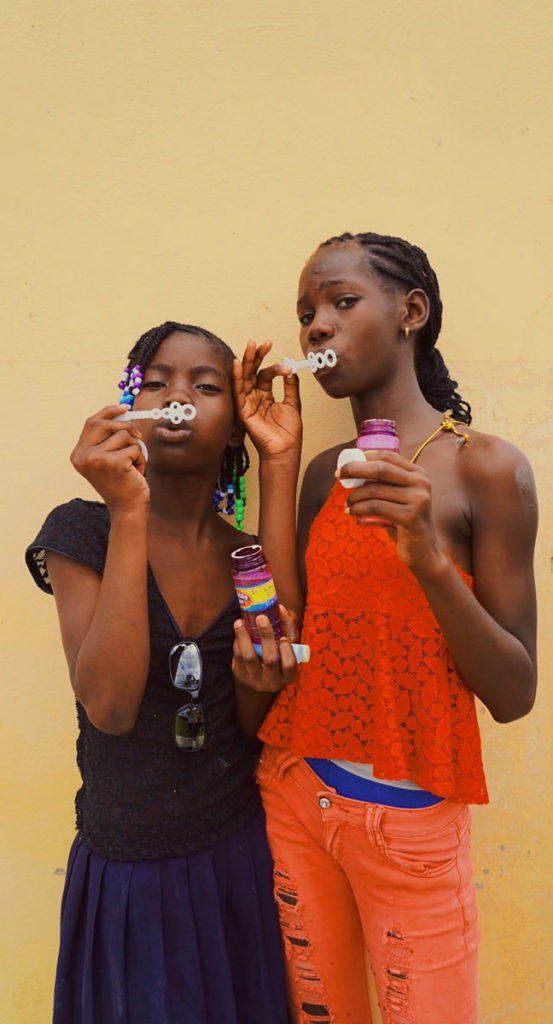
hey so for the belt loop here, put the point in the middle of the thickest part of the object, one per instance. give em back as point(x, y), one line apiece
point(373, 817)
point(284, 763)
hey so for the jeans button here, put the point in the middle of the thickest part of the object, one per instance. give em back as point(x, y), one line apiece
point(324, 802)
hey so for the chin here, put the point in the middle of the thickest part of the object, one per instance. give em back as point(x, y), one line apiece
point(335, 388)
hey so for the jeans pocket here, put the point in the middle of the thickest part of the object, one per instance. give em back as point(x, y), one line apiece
point(428, 852)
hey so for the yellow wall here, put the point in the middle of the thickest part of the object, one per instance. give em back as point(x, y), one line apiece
point(179, 159)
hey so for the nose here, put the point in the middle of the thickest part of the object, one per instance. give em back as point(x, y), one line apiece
point(320, 329)
point(179, 391)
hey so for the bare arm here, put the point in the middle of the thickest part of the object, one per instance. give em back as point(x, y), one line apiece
point(317, 482)
point(491, 632)
point(275, 428)
point(104, 619)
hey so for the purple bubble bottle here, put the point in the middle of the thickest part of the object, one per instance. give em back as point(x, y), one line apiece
point(377, 435)
point(255, 588)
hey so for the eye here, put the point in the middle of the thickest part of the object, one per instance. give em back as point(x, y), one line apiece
point(210, 388)
point(152, 385)
point(346, 302)
point(305, 319)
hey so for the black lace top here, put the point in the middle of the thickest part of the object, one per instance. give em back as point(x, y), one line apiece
point(141, 797)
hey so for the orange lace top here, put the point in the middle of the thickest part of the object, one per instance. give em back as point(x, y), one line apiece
point(381, 686)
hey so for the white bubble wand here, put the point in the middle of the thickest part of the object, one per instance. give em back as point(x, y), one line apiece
point(315, 361)
point(175, 412)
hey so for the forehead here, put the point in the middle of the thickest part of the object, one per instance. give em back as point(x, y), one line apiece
point(341, 261)
point(186, 350)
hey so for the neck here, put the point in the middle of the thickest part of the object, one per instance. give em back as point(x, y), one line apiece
point(182, 504)
point(403, 402)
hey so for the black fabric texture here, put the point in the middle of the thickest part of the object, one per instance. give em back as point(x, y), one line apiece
point(141, 797)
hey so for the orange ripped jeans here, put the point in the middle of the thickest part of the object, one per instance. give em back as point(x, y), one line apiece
point(354, 877)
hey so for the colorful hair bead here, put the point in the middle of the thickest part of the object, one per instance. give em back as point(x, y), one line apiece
point(130, 384)
point(231, 485)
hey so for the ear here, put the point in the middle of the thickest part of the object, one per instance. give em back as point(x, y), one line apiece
point(415, 311)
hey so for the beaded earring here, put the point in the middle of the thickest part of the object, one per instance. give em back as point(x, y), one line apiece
point(231, 485)
point(130, 384)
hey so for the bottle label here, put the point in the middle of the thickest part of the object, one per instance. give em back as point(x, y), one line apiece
point(257, 598)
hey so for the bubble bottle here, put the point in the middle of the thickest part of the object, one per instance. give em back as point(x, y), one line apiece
point(374, 435)
point(255, 588)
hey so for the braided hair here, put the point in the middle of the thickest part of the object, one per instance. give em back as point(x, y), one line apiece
point(235, 457)
point(147, 345)
point(396, 260)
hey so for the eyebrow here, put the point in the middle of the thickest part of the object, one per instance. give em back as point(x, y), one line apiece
point(321, 286)
point(195, 370)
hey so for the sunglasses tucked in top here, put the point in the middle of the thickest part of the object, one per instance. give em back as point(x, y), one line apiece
point(185, 669)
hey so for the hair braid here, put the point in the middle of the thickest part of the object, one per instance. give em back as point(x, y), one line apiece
point(144, 350)
point(398, 260)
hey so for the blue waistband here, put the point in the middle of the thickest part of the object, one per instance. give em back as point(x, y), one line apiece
point(357, 788)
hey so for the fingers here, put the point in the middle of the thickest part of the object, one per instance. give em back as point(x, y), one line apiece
point(105, 436)
point(275, 668)
point(251, 361)
point(249, 374)
point(291, 383)
point(289, 624)
point(387, 466)
point(404, 506)
point(104, 423)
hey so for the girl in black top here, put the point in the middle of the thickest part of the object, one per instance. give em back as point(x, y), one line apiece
point(168, 914)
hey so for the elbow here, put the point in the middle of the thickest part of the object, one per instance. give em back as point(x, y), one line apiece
point(109, 717)
point(519, 707)
point(111, 721)
point(114, 712)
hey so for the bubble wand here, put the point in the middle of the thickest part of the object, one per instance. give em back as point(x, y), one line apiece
point(174, 412)
point(315, 361)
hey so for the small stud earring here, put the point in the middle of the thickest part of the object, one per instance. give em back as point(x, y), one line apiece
point(406, 332)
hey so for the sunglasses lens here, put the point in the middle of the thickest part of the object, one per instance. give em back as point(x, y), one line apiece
point(189, 727)
point(188, 671)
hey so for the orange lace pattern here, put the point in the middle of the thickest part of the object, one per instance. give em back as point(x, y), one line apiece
point(381, 686)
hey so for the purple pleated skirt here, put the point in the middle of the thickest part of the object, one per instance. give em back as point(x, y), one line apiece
point(187, 940)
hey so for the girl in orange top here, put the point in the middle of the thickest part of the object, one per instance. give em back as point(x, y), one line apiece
point(373, 754)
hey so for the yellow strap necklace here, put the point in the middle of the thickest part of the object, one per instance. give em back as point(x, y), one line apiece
point(446, 424)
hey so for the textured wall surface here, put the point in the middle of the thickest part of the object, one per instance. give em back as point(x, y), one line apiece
point(181, 160)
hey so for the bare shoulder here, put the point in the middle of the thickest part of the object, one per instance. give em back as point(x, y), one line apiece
point(498, 481)
point(492, 462)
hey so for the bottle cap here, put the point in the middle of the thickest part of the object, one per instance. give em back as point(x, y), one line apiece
point(302, 652)
point(350, 455)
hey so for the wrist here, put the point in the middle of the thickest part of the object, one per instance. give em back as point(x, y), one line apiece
point(433, 569)
point(285, 465)
point(129, 516)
